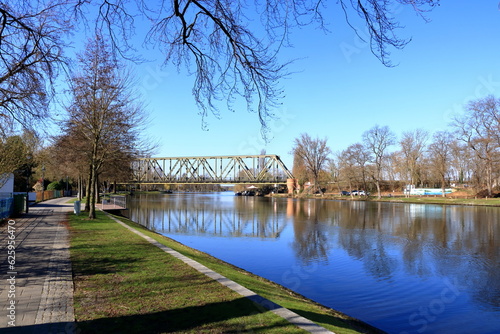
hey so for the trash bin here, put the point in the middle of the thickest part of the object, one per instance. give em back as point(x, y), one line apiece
point(77, 207)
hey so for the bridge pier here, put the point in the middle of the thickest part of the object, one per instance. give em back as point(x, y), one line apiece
point(292, 185)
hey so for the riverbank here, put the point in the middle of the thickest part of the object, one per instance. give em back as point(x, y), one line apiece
point(449, 200)
point(125, 284)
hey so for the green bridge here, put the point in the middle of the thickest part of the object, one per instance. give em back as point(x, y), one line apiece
point(235, 169)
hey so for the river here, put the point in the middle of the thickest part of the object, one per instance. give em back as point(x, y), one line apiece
point(404, 268)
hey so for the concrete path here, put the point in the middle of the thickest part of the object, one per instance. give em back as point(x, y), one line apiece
point(36, 286)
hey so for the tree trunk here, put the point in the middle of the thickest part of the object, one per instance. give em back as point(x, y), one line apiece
point(316, 187)
point(80, 187)
point(489, 179)
point(97, 199)
point(443, 185)
point(91, 199)
point(377, 183)
point(87, 191)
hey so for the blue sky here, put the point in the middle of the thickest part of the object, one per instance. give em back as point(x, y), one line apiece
point(340, 89)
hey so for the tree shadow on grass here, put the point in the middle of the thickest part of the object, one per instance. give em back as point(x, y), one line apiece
point(101, 265)
point(221, 317)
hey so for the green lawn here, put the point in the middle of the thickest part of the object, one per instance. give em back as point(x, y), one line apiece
point(123, 284)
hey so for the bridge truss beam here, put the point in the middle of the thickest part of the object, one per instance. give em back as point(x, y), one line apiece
point(238, 169)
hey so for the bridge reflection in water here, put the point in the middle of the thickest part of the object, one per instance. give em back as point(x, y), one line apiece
point(199, 215)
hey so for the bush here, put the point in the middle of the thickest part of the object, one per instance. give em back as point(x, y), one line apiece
point(56, 185)
point(484, 193)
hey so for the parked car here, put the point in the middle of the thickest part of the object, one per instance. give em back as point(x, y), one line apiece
point(344, 193)
point(354, 192)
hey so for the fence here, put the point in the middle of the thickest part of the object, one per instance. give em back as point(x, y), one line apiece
point(13, 205)
point(50, 194)
point(114, 202)
point(6, 207)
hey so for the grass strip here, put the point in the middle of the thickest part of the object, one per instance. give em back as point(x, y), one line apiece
point(123, 284)
point(326, 317)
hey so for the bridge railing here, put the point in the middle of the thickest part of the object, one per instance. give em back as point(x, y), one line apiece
point(114, 202)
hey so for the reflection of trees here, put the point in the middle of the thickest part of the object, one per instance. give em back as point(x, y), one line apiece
point(451, 241)
point(422, 240)
point(310, 243)
point(361, 235)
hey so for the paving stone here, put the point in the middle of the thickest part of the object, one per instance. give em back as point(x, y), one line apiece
point(40, 282)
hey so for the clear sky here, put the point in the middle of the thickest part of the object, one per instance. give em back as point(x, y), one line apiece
point(340, 89)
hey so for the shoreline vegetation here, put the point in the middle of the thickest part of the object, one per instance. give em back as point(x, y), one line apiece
point(125, 284)
point(456, 198)
point(414, 199)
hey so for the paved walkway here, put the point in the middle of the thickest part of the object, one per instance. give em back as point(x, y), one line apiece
point(36, 287)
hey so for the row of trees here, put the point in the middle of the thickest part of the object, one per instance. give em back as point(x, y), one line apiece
point(231, 57)
point(469, 153)
point(100, 136)
point(103, 131)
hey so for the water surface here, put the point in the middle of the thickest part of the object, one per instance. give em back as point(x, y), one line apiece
point(404, 268)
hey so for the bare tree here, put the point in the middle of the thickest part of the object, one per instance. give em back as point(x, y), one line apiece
point(360, 154)
point(348, 168)
point(67, 155)
point(104, 114)
point(299, 170)
point(377, 139)
point(314, 154)
point(479, 127)
point(31, 54)
point(334, 172)
point(413, 145)
point(214, 40)
point(440, 156)
point(461, 161)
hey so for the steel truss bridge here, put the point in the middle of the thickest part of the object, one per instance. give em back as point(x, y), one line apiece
point(237, 169)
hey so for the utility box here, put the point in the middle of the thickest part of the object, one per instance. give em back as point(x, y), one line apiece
point(77, 207)
point(19, 203)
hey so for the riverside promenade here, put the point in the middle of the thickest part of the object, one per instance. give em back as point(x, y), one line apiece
point(36, 288)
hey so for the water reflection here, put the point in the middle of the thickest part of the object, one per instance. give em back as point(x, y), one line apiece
point(363, 228)
point(198, 215)
point(385, 263)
